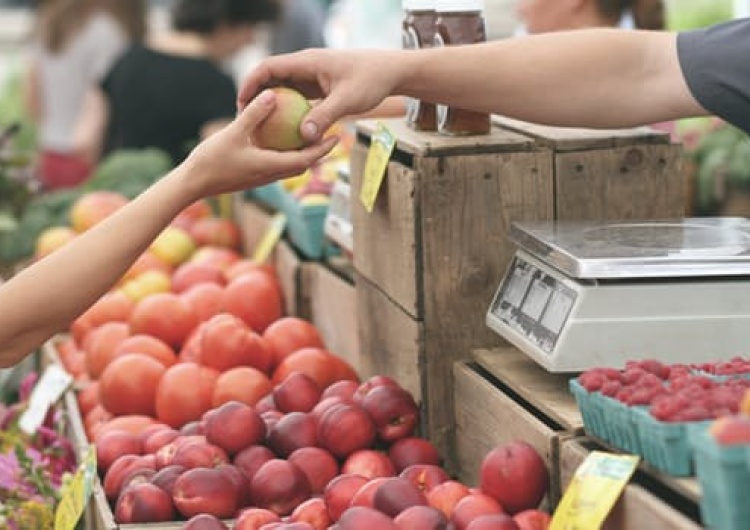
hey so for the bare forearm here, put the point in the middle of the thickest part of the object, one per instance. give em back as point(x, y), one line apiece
point(45, 297)
point(590, 78)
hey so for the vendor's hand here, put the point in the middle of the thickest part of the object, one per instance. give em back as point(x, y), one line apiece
point(346, 82)
point(229, 161)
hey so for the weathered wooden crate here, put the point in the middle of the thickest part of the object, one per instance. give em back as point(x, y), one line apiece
point(332, 303)
point(501, 396)
point(431, 254)
point(639, 507)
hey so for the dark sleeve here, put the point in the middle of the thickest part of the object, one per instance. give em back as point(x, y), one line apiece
point(716, 64)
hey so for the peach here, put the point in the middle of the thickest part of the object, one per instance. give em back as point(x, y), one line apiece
point(731, 430)
point(314, 512)
point(241, 482)
point(192, 428)
point(515, 475)
point(339, 493)
point(473, 506)
point(324, 404)
point(344, 429)
point(216, 232)
point(92, 207)
point(52, 238)
point(190, 274)
point(359, 517)
point(144, 503)
point(498, 521)
point(425, 476)
point(369, 463)
point(205, 490)
point(279, 486)
point(393, 411)
point(198, 454)
point(271, 418)
point(154, 442)
point(396, 494)
point(205, 299)
point(281, 129)
point(318, 465)
point(114, 444)
point(166, 477)
point(137, 476)
point(254, 519)
point(407, 451)
point(532, 520)
point(293, 431)
point(251, 458)
point(296, 393)
point(446, 495)
point(120, 469)
point(204, 521)
point(370, 383)
point(234, 426)
point(344, 389)
point(365, 495)
point(421, 518)
point(266, 404)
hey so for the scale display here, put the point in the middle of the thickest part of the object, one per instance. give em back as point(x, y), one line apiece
point(585, 294)
point(338, 223)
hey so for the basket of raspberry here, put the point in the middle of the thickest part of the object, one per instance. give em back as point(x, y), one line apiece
point(737, 367)
point(652, 409)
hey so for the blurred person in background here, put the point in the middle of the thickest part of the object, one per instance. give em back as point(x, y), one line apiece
point(300, 26)
point(541, 16)
point(74, 43)
point(173, 90)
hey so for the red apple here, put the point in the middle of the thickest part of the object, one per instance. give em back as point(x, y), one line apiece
point(515, 475)
point(422, 518)
point(234, 426)
point(408, 451)
point(532, 520)
point(279, 486)
point(344, 429)
point(360, 517)
point(205, 490)
point(396, 494)
point(144, 503)
point(318, 465)
point(368, 463)
point(339, 493)
point(393, 411)
point(296, 393)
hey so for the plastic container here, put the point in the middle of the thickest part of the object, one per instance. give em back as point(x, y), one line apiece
point(418, 31)
point(305, 228)
point(723, 473)
point(273, 195)
point(460, 22)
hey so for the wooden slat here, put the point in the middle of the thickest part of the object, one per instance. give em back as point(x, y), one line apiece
point(637, 182)
point(391, 341)
point(486, 417)
point(434, 144)
point(386, 240)
point(576, 139)
point(252, 219)
point(334, 312)
point(636, 509)
point(288, 265)
point(545, 391)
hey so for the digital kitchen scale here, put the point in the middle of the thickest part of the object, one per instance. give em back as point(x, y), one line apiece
point(578, 295)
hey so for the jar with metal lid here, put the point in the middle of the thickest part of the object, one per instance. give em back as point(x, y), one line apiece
point(418, 30)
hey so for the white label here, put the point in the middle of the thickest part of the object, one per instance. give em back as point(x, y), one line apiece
point(537, 298)
point(557, 311)
point(47, 391)
point(518, 284)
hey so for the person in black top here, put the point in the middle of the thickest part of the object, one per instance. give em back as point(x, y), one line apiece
point(171, 92)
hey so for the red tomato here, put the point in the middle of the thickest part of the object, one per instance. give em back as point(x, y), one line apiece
point(166, 316)
point(256, 298)
point(184, 393)
point(289, 334)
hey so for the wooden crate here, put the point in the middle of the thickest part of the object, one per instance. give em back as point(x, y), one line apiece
point(487, 416)
point(638, 507)
point(436, 245)
point(332, 302)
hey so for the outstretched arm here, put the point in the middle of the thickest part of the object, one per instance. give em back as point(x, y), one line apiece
point(46, 296)
point(584, 78)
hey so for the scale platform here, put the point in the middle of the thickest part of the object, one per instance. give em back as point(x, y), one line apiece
point(583, 294)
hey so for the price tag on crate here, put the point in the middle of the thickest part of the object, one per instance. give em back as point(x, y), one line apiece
point(338, 224)
point(594, 490)
point(379, 154)
point(270, 238)
point(75, 493)
point(48, 390)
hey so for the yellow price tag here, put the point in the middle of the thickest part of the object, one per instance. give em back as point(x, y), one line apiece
point(75, 493)
point(270, 238)
point(378, 155)
point(593, 492)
